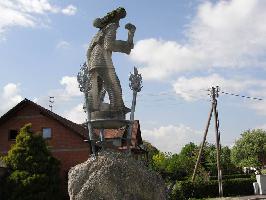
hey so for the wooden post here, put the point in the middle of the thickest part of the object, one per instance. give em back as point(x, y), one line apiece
point(219, 172)
point(202, 144)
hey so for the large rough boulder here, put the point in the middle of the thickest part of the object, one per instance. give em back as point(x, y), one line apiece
point(114, 176)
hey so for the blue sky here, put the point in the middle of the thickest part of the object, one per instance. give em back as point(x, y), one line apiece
point(182, 48)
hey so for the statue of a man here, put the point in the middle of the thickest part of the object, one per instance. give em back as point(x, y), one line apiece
point(99, 62)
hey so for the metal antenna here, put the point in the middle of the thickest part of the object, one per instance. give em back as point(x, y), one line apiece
point(51, 101)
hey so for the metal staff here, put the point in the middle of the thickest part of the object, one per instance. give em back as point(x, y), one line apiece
point(135, 85)
point(83, 78)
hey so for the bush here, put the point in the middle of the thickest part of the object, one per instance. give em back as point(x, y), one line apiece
point(3, 185)
point(240, 186)
point(28, 186)
point(233, 187)
point(34, 173)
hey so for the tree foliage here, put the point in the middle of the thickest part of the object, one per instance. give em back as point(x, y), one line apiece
point(209, 158)
point(177, 166)
point(34, 172)
point(249, 150)
point(181, 166)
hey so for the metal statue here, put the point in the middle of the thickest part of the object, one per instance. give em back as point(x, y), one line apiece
point(101, 69)
point(98, 78)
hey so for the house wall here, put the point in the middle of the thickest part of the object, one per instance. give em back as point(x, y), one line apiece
point(66, 145)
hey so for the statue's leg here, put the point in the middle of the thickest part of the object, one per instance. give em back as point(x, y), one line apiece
point(96, 83)
point(100, 90)
point(113, 88)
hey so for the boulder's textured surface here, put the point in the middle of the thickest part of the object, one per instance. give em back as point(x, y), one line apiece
point(114, 176)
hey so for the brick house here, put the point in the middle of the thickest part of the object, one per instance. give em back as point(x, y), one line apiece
point(65, 138)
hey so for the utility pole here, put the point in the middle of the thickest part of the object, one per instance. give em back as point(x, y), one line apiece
point(202, 144)
point(214, 95)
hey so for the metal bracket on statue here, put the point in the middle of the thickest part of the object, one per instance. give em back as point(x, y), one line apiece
point(109, 123)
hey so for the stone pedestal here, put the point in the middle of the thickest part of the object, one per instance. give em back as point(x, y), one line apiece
point(261, 180)
point(114, 176)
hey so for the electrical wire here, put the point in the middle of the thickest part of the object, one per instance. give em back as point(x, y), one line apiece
point(242, 96)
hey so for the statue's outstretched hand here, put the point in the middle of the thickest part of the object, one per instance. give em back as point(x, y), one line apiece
point(130, 27)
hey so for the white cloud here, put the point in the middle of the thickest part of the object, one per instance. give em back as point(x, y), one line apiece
point(230, 32)
point(227, 34)
point(71, 86)
point(36, 6)
point(28, 13)
point(191, 89)
point(69, 10)
point(63, 96)
point(76, 114)
point(63, 45)
point(171, 138)
point(259, 106)
point(162, 58)
point(9, 97)
point(262, 126)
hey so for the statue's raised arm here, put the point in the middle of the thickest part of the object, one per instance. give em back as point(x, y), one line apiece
point(100, 66)
point(110, 42)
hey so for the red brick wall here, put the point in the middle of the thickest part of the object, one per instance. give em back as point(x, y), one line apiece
point(66, 145)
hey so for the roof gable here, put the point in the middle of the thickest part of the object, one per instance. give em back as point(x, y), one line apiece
point(80, 130)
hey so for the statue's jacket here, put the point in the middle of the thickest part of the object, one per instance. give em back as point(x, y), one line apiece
point(100, 50)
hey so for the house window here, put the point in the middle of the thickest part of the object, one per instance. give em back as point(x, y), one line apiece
point(46, 133)
point(12, 134)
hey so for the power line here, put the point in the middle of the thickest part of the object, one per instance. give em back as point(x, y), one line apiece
point(242, 96)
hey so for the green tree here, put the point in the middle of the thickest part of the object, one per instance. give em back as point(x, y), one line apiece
point(160, 162)
point(189, 150)
point(34, 172)
point(208, 158)
point(249, 150)
point(176, 166)
point(228, 167)
point(209, 163)
point(180, 167)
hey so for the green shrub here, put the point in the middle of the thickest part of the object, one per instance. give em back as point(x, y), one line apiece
point(34, 173)
point(233, 187)
point(237, 187)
